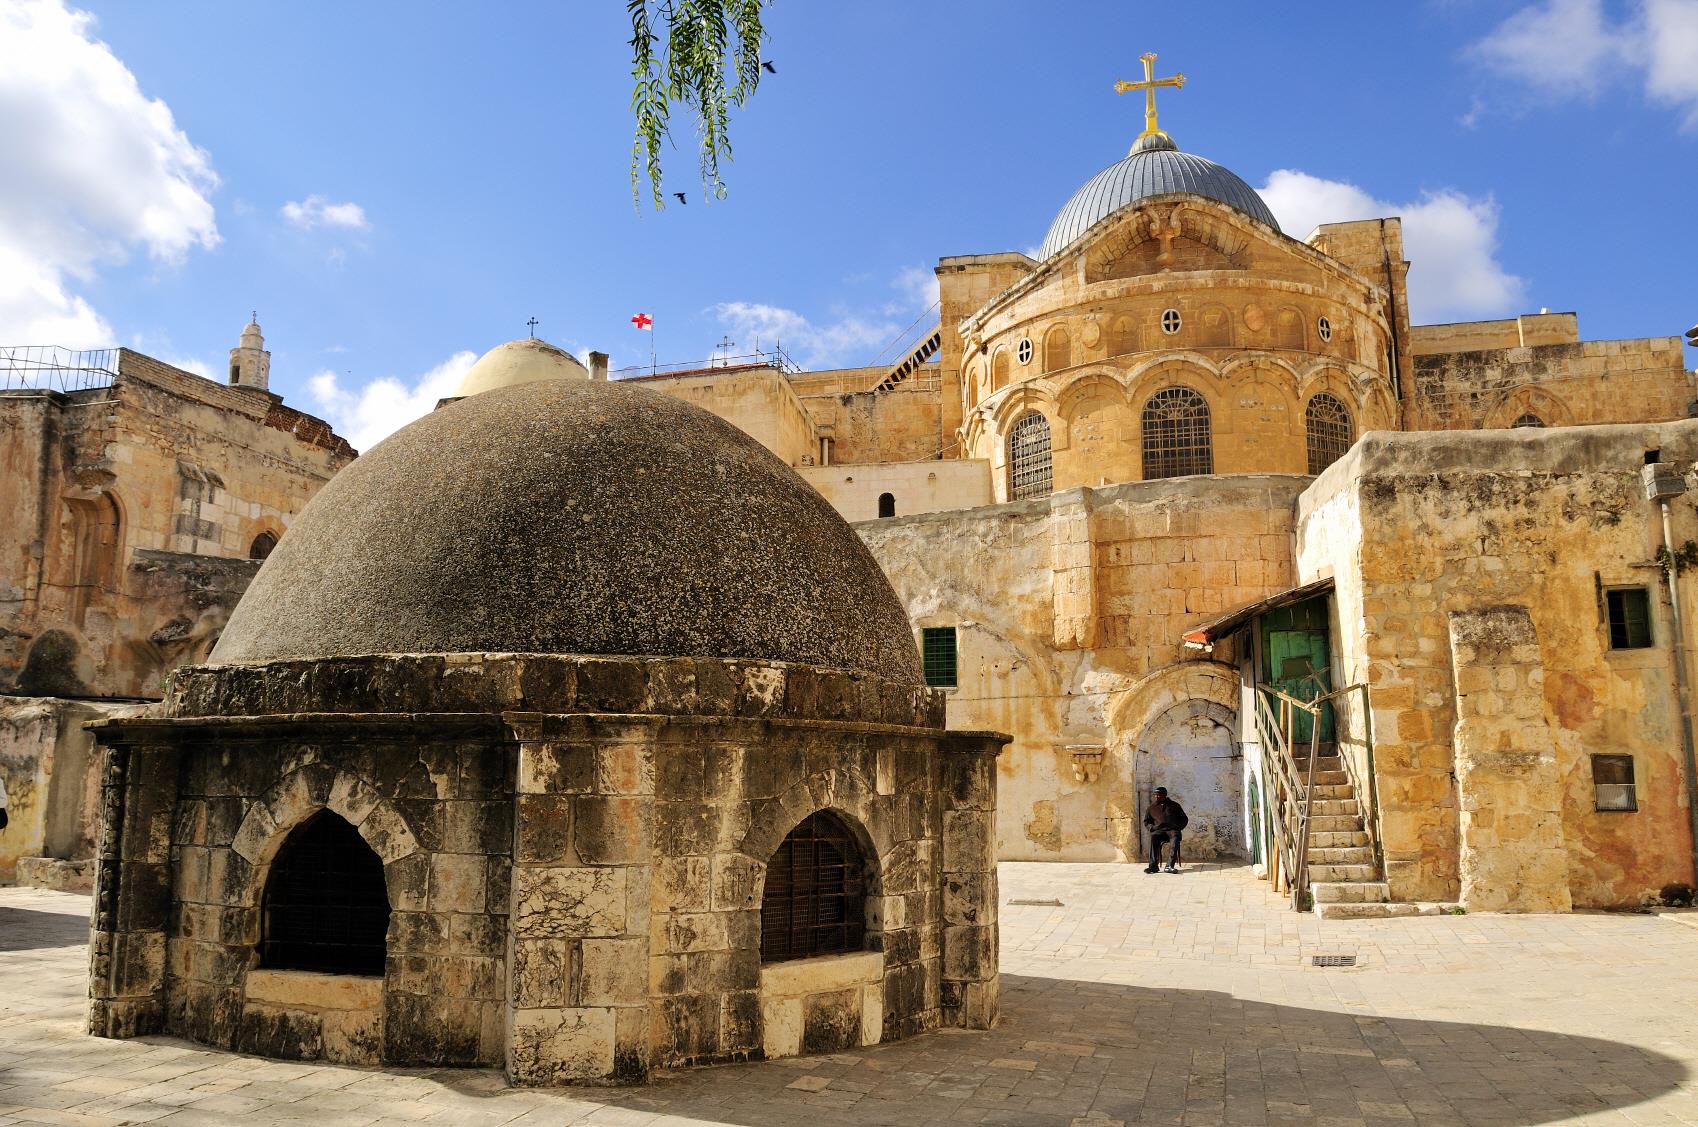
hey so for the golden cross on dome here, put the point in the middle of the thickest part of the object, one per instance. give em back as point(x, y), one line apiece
point(1148, 86)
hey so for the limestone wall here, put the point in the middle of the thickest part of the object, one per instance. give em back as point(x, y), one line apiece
point(1418, 528)
point(1563, 384)
point(51, 771)
point(756, 399)
point(1068, 614)
point(915, 487)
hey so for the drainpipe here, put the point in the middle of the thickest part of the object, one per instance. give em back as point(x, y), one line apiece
point(1662, 482)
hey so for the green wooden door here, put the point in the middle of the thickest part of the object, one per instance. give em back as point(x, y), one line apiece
point(1295, 643)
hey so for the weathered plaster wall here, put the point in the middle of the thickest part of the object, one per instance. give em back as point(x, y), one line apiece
point(1068, 614)
point(51, 771)
point(916, 487)
point(1416, 527)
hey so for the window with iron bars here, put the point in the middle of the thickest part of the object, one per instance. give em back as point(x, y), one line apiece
point(1330, 433)
point(814, 902)
point(1527, 420)
point(1176, 434)
point(326, 907)
point(1029, 473)
point(937, 656)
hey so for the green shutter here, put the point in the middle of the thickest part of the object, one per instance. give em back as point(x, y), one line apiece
point(937, 654)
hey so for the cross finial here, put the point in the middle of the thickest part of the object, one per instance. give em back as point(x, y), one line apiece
point(532, 323)
point(1148, 86)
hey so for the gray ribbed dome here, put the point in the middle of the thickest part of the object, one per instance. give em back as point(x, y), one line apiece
point(1154, 168)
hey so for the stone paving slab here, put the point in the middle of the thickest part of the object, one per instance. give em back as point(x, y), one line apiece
point(1184, 999)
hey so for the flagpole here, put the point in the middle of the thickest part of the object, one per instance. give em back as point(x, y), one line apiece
point(654, 368)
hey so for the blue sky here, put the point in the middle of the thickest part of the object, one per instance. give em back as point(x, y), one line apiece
point(397, 187)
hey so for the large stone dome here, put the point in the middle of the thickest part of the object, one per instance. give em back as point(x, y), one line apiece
point(569, 517)
point(1155, 167)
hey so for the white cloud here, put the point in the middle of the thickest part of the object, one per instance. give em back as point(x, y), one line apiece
point(1449, 238)
point(370, 412)
point(844, 342)
point(316, 211)
point(918, 287)
point(1567, 49)
point(94, 169)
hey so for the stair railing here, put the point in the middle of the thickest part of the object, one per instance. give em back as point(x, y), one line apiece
point(1298, 869)
point(1367, 789)
point(1279, 772)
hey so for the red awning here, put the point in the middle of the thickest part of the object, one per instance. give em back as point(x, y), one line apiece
point(1212, 631)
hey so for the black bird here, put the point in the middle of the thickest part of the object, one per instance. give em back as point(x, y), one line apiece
point(769, 68)
point(682, 198)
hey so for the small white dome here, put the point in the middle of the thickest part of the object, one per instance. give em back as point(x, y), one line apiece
point(520, 362)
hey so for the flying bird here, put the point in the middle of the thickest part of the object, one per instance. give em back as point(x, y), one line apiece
point(769, 68)
point(682, 198)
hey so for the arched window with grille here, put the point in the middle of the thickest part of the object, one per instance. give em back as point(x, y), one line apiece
point(1527, 420)
point(1029, 473)
point(1177, 440)
point(814, 902)
point(1327, 421)
point(326, 907)
point(1058, 349)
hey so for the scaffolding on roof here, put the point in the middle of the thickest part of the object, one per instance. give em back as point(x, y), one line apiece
point(54, 368)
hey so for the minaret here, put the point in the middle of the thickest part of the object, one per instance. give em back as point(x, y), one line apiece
point(250, 363)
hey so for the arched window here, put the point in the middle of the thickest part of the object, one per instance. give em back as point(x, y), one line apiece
point(999, 370)
point(1058, 349)
point(1028, 458)
point(1330, 434)
point(887, 504)
point(1122, 337)
point(1214, 327)
point(326, 906)
point(1176, 434)
point(262, 545)
point(974, 388)
point(1528, 420)
point(95, 547)
point(815, 897)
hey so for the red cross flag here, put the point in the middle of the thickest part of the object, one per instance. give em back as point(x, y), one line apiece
point(643, 321)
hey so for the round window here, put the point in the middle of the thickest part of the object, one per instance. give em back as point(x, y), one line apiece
point(1170, 321)
point(1325, 327)
point(1024, 351)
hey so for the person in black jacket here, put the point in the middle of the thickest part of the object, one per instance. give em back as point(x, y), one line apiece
point(1166, 821)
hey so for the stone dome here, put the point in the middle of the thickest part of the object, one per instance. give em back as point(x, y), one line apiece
point(520, 362)
point(578, 518)
point(1154, 167)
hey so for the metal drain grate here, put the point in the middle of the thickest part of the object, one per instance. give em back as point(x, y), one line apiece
point(1332, 960)
point(1036, 903)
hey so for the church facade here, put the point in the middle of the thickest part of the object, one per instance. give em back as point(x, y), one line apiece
point(1133, 489)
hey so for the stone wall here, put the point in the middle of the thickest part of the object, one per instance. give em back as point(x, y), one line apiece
point(1068, 614)
point(915, 487)
point(1416, 528)
point(756, 399)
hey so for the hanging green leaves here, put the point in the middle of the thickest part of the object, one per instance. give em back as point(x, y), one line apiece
point(701, 38)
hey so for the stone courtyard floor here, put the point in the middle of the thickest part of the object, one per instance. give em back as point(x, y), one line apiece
point(1139, 999)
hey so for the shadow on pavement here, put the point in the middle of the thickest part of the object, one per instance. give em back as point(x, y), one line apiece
point(1068, 1050)
point(27, 929)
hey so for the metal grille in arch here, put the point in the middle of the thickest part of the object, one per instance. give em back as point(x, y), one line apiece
point(1029, 473)
point(1330, 433)
point(1177, 441)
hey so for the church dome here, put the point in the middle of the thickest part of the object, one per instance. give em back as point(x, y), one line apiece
point(520, 362)
point(1155, 167)
point(575, 518)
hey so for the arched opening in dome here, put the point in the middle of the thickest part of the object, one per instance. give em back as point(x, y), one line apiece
point(886, 505)
point(1029, 470)
point(814, 900)
point(262, 545)
point(1058, 349)
point(1330, 432)
point(326, 906)
point(1176, 433)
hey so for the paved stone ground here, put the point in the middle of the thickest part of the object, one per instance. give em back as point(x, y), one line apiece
point(1141, 999)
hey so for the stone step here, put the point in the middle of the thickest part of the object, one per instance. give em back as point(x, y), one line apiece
point(1335, 805)
point(1334, 790)
point(1326, 872)
point(1324, 763)
point(1340, 855)
point(1333, 823)
point(1349, 892)
point(1326, 839)
point(1325, 778)
point(1365, 911)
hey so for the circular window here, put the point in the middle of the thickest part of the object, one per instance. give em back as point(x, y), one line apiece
point(1024, 351)
point(1325, 327)
point(1170, 321)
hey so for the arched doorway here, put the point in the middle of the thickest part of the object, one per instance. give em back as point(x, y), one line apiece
point(326, 905)
point(1191, 750)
